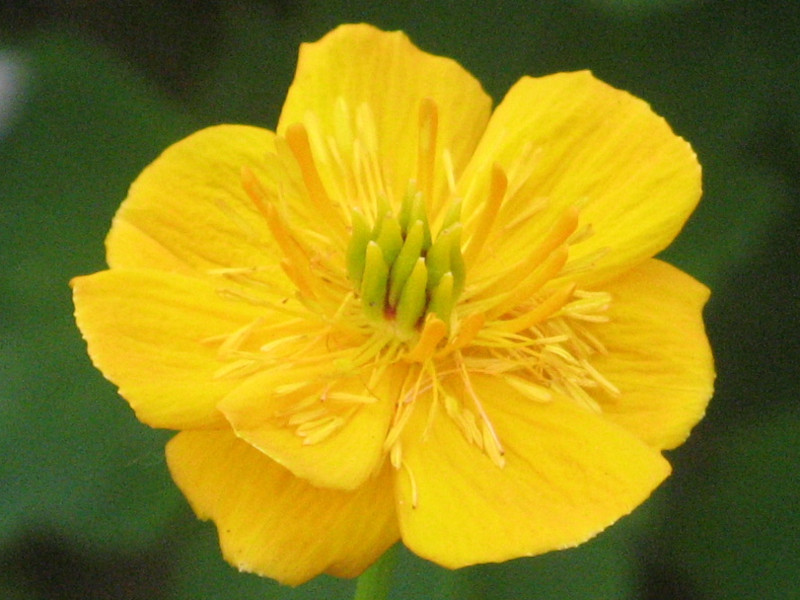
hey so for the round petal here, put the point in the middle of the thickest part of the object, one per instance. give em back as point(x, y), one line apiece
point(330, 434)
point(658, 353)
point(274, 524)
point(569, 140)
point(358, 66)
point(568, 474)
point(145, 331)
point(188, 211)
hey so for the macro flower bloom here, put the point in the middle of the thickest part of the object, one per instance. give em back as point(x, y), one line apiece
point(402, 316)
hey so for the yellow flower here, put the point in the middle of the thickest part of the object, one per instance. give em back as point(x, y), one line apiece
point(405, 316)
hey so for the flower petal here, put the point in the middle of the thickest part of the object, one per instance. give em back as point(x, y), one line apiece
point(568, 474)
point(188, 211)
point(274, 524)
point(357, 65)
point(330, 434)
point(570, 140)
point(658, 353)
point(145, 332)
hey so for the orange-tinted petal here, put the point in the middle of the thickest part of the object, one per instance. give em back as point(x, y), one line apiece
point(145, 332)
point(330, 434)
point(188, 211)
point(358, 65)
point(571, 140)
point(568, 474)
point(658, 353)
point(274, 524)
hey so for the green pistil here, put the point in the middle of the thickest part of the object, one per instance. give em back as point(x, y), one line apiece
point(443, 298)
point(441, 252)
point(373, 283)
point(357, 249)
point(413, 298)
point(390, 238)
point(400, 272)
point(404, 264)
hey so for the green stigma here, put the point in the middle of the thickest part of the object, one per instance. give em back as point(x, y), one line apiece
point(400, 271)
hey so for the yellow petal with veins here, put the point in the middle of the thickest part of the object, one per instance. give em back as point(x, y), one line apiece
point(188, 211)
point(330, 434)
point(657, 353)
point(358, 65)
point(568, 474)
point(274, 524)
point(147, 332)
point(569, 140)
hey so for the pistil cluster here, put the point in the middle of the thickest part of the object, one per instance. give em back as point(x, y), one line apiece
point(400, 271)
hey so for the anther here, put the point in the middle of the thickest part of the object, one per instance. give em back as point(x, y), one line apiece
point(497, 191)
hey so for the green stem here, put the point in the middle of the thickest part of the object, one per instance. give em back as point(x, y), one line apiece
point(375, 582)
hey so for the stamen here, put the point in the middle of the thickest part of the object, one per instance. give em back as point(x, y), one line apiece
point(520, 172)
point(323, 432)
point(433, 332)
point(346, 398)
point(530, 286)
point(426, 150)
point(543, 310)
point(491, 445)
point(600, 379)
point(237, 369)
point(487, 216)
point(588, 306)
point(584, 264)
point(297, 138)
point(435, 386)
point(367, 170)
point(296, 262)
point(469, 328)
point(405, 405)
point(572, 390)
point(512, 277)
point(235, 340)
point(319, 430)
point(497, 452)
point(532, 207)
point(593, 343)
point(301, 417)
point(529, 389)
point(309, 399)
point(396, 455)
point(449, 169)
point(402, 415)
point(412, 480)
point(343, 131)
point(470, 428)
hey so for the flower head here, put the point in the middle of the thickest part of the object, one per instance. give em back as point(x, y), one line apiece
point(405, 316)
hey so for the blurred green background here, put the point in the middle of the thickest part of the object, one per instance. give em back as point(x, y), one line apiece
point(91, 91)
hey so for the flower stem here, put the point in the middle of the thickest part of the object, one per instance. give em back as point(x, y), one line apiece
point(375, 582)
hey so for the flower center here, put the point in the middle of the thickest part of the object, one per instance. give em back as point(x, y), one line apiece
point(379, 288)
point(400, 272)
